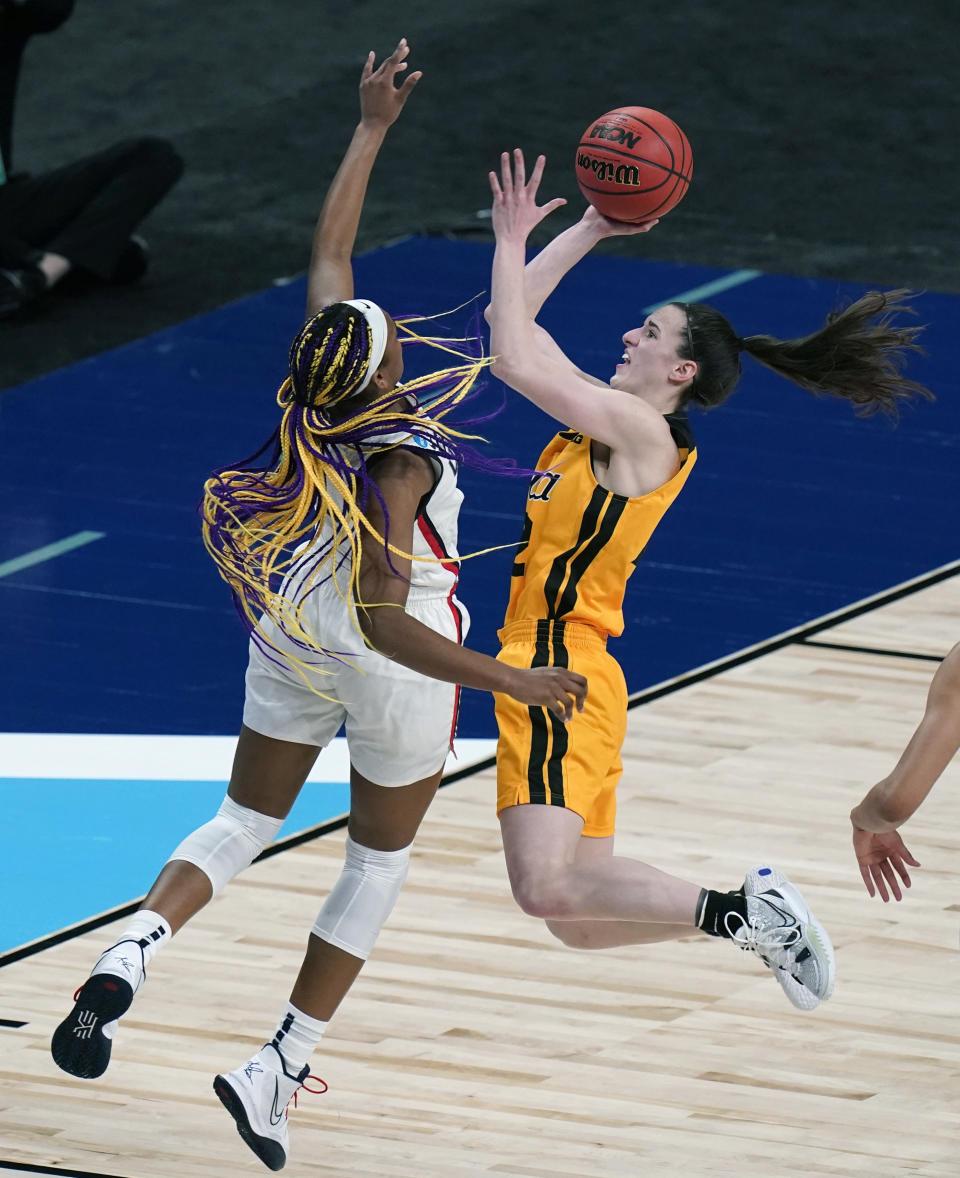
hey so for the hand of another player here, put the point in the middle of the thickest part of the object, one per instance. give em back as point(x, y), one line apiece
point(515, 209)
point(606, 227)
point(882, 857)
point(555, 688)
point(381, 100)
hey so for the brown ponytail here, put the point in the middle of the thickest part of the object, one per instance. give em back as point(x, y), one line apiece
point(859, 354)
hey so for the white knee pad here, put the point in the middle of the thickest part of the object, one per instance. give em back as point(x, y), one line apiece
point(362, 898)
point(228, 843)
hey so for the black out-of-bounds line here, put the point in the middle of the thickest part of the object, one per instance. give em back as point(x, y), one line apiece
point(892, 654)
point(31, 1168)
point(797, 636)
point(788, 638)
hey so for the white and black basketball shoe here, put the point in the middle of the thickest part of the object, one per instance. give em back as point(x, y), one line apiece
point(787, 937)
point(82, 1043)
point(256, 1095)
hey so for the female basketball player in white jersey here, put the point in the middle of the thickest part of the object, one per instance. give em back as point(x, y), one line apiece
point(612, 475)
point(344, 631)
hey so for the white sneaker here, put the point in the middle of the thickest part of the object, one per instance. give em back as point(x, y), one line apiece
point(787, 937)
point(256, 1096)
point(82, 1043)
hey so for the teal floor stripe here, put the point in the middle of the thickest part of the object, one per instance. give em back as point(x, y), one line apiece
point(48, 552)
point(698, 293)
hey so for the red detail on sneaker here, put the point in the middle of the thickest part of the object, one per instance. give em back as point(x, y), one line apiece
point(76, 993)
point(312, 1091)
point(110, 986)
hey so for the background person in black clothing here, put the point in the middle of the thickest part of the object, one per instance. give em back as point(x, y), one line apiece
point(78, 217)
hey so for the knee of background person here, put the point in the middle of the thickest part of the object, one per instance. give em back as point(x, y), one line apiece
point(544, 892)
point(155, 153)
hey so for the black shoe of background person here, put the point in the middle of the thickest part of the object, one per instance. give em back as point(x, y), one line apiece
point(19, 288)
point(133, 262)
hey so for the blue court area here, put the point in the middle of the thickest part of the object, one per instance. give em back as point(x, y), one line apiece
point(102, 842)
point(796, 508)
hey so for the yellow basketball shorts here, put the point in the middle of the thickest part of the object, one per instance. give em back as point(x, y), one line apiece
point(540, 759)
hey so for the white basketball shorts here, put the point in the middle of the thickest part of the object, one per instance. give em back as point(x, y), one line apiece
point(399, 723)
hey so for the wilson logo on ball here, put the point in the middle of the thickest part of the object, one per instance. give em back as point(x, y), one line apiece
point(605, 170)
point(634, 164)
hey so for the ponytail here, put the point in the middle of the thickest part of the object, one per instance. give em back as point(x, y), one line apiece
point(858, 355)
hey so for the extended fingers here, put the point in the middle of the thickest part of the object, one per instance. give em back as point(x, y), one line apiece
point(392, 63)
point(401, 51)
point(409, 84)
point(867, 881)
point(879, 881)
point(891, 878)
point(506, 174)
point(901, 869)
point(519, 168)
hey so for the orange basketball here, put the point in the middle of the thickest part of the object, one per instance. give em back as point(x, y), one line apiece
point(634, 164)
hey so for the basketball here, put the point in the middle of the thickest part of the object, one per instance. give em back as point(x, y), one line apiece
point(634, 164)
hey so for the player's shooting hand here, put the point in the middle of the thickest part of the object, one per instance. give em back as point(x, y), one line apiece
point(603, 226)
point(515, 209)
point(882, 857)
point(555, 688)
point(381, 99)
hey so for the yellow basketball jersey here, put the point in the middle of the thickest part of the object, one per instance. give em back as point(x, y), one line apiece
point(580, 542)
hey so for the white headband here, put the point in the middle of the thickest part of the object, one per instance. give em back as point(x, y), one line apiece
point(377, 322)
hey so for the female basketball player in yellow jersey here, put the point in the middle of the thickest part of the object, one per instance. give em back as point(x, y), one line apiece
point(607, 481)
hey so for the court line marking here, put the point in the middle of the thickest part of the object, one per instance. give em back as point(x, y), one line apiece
point(790, 637)
point(59, 591)
point(48, 552)
point(890, 654)
point(102, 757)
point(696, 293)
point(34, 1168)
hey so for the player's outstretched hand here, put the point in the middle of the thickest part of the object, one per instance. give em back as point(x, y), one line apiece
point(606, 227)
point(381, 99)
point(515, 209)
point(882, 857)
point(555, 688)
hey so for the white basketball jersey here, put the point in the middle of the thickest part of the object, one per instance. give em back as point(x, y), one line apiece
point(436, 565)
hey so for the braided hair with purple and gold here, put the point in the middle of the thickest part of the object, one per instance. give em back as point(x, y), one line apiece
point(295, 510)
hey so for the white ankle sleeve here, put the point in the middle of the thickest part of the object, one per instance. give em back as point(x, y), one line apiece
point(228, 843)
point(362, 898)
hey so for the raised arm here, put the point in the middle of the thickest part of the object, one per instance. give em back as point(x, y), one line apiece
point(403, 480)
point(892, 801)
point(545, 269)
point(548, 378)
point(330, 277)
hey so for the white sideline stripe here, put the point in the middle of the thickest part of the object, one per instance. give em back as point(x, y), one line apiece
point(824, 620)
point(48, 552)
point(95, 757)
point(736, 278)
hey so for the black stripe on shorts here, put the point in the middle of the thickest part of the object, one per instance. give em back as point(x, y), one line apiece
point(557, 726)
point(538, 729)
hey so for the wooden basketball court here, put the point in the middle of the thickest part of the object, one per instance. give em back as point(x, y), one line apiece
point(476, 1045)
